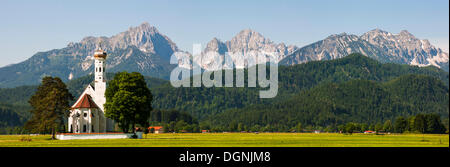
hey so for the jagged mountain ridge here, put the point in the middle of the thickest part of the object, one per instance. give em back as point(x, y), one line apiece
point(248, 44)
point(402, 48)
point(142, 49)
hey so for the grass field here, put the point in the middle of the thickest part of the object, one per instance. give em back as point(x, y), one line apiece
point(238, 140)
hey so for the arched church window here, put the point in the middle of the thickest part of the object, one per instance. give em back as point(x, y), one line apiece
point(85, 115)
point(92, 128)
point(84, 128)
point(100, 69)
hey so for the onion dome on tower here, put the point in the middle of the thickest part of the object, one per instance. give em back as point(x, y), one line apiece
point(99, 53)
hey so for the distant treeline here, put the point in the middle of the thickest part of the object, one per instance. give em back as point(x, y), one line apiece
point(421, 123)
point(329, 105)
point(174, 121)
point(11, 119)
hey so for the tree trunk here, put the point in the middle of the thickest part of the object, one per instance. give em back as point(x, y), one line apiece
point(53, 134)
point(134, 123)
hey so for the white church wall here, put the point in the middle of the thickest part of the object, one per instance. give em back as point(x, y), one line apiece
point(70, 122)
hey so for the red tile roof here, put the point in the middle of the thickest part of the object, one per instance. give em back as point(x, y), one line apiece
point(85, 102)
point(155, 127)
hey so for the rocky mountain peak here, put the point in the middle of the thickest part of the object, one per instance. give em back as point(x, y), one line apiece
point(343, 37)
point(143, 29)
point(248, 43)
point(147, 38)
point(248, 33)
point(247, 40)
point(377, 32)
point(215, 45)
point(145, 25)
point(405, 33)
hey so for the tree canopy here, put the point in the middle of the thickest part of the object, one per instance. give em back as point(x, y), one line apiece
point(50, 104)
point(128, 100)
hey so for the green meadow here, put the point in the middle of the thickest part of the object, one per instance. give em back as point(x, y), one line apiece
point(238, 140)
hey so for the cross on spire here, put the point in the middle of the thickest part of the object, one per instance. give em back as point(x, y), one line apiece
point(100, 45)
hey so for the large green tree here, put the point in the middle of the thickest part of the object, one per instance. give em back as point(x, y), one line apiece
point(387, 127)
point(420, 123)
point(350, 128)
point(434, 124)
point(128, 100)
point(401, 124)
point(50, 104)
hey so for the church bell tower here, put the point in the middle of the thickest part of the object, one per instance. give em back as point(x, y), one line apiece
point(100, 77)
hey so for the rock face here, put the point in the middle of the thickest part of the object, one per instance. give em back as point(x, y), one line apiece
point(407, 49)
point(242, 49)
point(401, 48)
point(142, 49)
point(146, 38)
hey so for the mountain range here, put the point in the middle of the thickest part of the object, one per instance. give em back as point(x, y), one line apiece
point(141, 49)
point(402, 48)
point(243, 50)
point(144, 49)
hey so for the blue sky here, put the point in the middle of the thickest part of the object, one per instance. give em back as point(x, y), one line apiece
point(27, 27)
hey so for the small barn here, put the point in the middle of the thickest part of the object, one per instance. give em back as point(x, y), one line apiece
point(156, 129)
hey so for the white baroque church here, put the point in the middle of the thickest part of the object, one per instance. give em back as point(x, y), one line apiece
point(87, 115)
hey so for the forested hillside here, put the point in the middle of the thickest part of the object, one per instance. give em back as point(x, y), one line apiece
point(202, 102)
point(332, 104)
point(319, 93)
